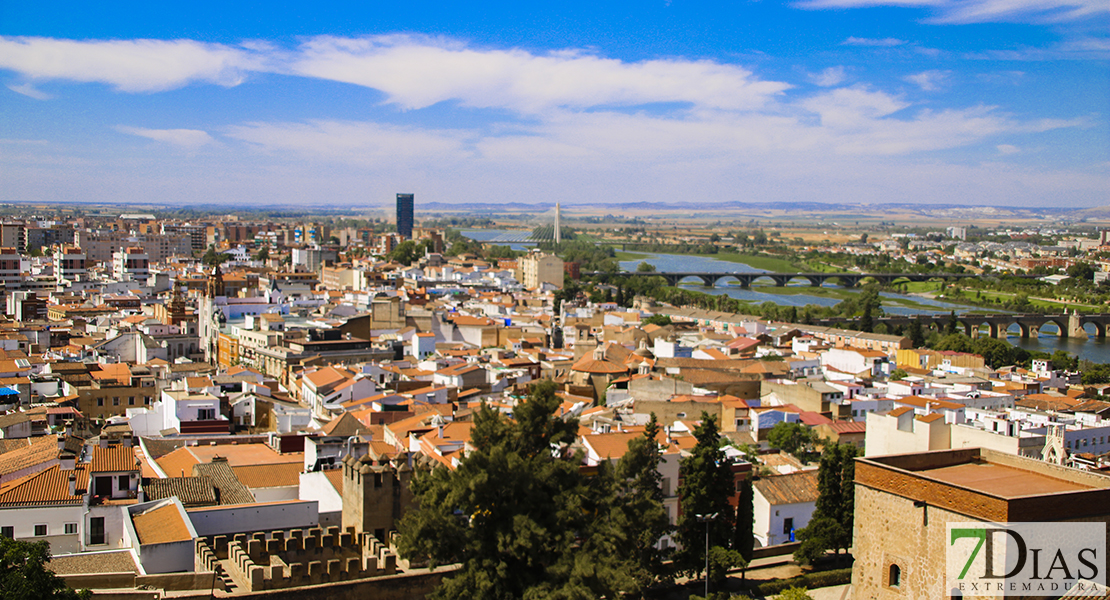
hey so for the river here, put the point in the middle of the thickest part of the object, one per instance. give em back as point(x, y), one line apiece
point(1092, 349)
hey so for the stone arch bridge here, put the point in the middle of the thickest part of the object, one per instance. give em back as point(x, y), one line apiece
point(1067, 324)
point(782, 279)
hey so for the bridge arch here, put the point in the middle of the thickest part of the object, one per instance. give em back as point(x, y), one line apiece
point(684, 278)
point(1093, 328)
point(764, 279)
point(842, 279)
point(727, 280)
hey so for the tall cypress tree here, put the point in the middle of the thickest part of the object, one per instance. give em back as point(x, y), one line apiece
point(744, 541)
point(830, 527)
point(707, 485)
point(641, 502)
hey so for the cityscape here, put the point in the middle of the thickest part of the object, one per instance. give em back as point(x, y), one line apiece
point(673, 301)
point(235, 404)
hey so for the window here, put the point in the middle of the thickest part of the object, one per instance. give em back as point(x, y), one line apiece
point(40, 530)
point(121, 484)
point(206, 414)
point(115, 401)
point(894, 577)
point(96, 531)
point(131, 400)
point(7, 531)
point(100, 401)
point(71, 528)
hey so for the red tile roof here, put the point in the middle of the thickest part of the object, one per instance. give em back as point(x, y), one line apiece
point(113, 459)
point(45, 488)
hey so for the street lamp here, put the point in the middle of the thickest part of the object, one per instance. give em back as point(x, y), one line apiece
point(706, 519)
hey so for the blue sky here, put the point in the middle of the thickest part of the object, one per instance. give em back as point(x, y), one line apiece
point(998, 102)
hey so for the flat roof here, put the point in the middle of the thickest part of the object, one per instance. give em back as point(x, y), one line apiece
point(1002, 480)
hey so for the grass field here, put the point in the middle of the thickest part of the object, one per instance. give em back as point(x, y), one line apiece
point(631, 255)
point(758, 261)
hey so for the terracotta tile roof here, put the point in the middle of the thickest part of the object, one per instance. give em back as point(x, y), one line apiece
point(344, 426)
point(40, 450)
point(161, 525)
point(192, 491)
point(229, 490)
point(112, 459)
point(266, 476)
point(335, 477)
point(13, 418)
point(120, 561)
point(13, 444)
point(49, 487)
point(848, 426)
point(598, 367)
point(794, 488)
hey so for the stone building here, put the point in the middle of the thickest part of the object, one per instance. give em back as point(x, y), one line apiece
point(904, 502)
point(376, 494)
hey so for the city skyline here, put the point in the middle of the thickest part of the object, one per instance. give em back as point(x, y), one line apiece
point(842, 101)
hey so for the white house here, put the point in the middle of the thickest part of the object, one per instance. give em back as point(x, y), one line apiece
point(783, 504)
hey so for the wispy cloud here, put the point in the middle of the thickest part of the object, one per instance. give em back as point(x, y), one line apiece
point(829, 77)
point(984, 11)
point(1006, 149)
point(127, 65)
point(929, 81)
point(1078, 48)
point(881, 43)
point(30, 91)
point(416, 72)
point(185, 138)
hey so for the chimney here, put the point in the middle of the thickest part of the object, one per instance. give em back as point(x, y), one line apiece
point(72, 484)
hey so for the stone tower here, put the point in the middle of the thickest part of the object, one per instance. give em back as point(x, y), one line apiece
point(376, 494)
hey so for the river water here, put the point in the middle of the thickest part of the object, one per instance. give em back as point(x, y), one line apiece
point(1091, 349)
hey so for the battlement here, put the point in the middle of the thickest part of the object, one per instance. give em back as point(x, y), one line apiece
point(284, 559)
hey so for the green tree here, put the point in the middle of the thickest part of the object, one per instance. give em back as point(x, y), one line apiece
point(24, 576)
point(645, 267)
point(744, 540)
point(953, 325)
point(792, 438)
point(707, 485)
point(830, 527)
point(263, 254)
point(641, 503)
point(406, 252)
point(660, 320)
point(1082, 270)
point(916, 333)
point(795, 593)
point(898, 374)
point(517, 513)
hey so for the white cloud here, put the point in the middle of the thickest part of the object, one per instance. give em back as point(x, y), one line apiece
point(829, 77)
point(30, 91)
point(1007, 149)
point(418, 72)
point(127, 65)
point(884, 42)
point(984, 11)
point(929, 81)
point(355, 142)
point(1078, 48)
point(184, 138)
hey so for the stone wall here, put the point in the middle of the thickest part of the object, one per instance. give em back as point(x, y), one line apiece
point(295, 558)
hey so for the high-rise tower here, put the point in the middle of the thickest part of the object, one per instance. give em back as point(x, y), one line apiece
point(558, 228)
point(404, 215)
